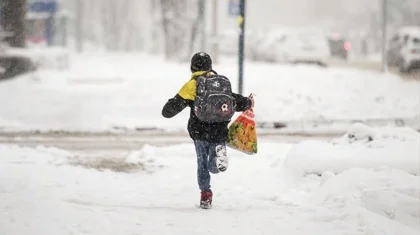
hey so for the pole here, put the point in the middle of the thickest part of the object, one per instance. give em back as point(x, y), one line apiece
point(49, 25)
point(215, 43)
point(79, 29)
point(203, 25)
point(384, 36)
point(241, 45)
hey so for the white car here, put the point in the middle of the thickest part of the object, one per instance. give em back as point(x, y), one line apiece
point(404, 49)
point(295, 46)
point(302, 46)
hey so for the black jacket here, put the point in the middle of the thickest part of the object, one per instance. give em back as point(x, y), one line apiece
point(198, 130)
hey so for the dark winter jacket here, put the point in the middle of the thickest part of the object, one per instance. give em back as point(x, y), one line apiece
point(198, 130)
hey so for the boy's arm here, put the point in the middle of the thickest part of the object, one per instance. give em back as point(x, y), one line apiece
point(242, 103)
point(174, 106)
point(180, 101)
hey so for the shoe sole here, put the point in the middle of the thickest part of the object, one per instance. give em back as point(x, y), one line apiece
point(221, 158)
point(204, 207)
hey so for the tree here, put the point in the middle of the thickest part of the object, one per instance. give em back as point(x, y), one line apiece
point(13, 20)
point(180, 20)
point(108, 24)
point(171, 26)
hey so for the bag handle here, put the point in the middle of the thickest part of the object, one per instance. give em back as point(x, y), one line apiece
point(251, 96)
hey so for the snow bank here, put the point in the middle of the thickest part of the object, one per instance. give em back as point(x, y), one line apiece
point(39, 155)
point(388, 192)
point(393, 205)
point(104, 91)
point(369, 173)
point(147, 157)
point(136, 161)
point(351, 183)
point(45, 57)
point(361, 146)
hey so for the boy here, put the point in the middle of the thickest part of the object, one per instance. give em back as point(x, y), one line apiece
point(209, 137)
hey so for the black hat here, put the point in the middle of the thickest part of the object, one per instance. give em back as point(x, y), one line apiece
point(201, 61)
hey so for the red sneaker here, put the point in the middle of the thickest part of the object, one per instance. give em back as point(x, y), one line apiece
point(206, 199)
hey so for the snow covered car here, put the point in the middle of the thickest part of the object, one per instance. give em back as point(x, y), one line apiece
point(12, 64)
point(404, 49)
point(296, 46)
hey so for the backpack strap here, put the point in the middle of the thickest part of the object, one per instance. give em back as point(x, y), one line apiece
point(202, 73)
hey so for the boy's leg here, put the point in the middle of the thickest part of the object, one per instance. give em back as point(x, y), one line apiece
point(203, 175)
point(218, 160)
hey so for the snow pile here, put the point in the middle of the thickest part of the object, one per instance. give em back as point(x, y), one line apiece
point(136, 161)
point(361, 146)
point(388, 192)
point(39, 155)
point(45, 57)
point(394, 205)
point(369, 173)
point(146, 157)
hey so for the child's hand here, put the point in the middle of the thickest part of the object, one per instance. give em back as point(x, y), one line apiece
point(252, 101)
point(251, 97)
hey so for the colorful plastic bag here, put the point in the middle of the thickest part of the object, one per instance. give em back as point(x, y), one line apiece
point(243, 133)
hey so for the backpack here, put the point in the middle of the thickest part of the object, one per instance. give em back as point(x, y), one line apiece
point(214, 101)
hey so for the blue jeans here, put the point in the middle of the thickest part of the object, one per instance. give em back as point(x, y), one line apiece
point(206, 162)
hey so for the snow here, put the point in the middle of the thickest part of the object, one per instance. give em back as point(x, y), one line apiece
point(388, 192)
point(361, 146)
point(101, 91)
point(411, 30)
point(53, 191)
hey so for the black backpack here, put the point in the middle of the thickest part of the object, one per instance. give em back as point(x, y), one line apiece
point(214, 101)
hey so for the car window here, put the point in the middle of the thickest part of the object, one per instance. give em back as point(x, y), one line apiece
point(416, 40)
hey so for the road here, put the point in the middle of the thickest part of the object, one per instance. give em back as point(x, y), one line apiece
point(104, 142)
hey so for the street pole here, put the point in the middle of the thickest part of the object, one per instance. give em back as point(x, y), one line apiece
point(241, 45)
point(203, 25)
point(215, 38)
point(79, 29)
point(384, 36)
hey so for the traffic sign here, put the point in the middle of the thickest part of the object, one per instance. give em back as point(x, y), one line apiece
point(45, 6)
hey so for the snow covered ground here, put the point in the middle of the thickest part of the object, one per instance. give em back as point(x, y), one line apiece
point(385, 146)
point(154, 191)
point(103, 91)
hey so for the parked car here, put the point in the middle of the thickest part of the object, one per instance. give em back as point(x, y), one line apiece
point(11, 64)
point(263, 47)
point(404, 49)
point(339, 47)
point(298, 46)
point(229, 42)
